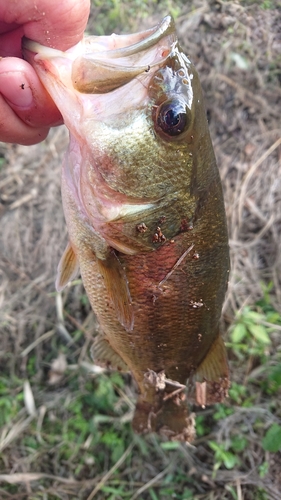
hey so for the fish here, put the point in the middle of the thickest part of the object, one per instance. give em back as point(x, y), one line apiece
point(144, 208)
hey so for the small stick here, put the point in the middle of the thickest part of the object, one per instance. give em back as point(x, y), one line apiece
point(111, 471)
point(176, 265)
point(172, 394)
point(175, 383)
point(250, 173)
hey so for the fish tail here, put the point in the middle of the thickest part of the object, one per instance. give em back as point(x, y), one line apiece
point(169, 417)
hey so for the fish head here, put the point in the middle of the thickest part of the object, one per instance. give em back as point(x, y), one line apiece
point(83, 79)
point(133, 105)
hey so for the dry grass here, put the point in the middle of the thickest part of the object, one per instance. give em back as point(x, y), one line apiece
point(236, 49)
point(244, 115)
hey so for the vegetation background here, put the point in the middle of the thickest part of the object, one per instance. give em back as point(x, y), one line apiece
point(64, 423)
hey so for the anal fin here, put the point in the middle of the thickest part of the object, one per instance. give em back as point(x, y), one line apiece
point(210, 382)
point(104, 355)
point(116, 283)
point(68, 268)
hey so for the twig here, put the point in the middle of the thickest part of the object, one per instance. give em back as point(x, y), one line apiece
point(172, 394)
point(239, 489)
point(250, 174)
point(24, 199)
point(177, 264)
point(151, 482)
point(15, 431)
point(43, 337)
point(257, 238)
point(111, 471)
point(23, 477)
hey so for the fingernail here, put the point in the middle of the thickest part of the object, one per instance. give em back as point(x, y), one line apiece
point(16, 89)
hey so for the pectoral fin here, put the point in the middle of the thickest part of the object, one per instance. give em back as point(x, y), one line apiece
point(116, 283)
point(68, 268)
point(103, 354)
point(210, 382)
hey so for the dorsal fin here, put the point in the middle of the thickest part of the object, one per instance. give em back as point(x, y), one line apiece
point(68, 268)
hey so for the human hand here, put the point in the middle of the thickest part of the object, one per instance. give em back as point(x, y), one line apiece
point(26, 109)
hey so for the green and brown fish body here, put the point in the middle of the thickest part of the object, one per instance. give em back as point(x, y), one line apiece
point(145, 214)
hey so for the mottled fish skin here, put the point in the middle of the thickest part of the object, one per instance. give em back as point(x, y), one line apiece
point(144, 209)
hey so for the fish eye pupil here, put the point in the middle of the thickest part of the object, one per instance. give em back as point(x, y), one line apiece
point(172, 117)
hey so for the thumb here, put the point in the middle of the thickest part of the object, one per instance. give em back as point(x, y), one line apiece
point(23, 91)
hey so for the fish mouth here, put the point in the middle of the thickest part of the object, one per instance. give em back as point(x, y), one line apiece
point(142, 40)
point(107, 63)
point(102, 72)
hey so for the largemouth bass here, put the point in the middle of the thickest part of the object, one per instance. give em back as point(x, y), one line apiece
point(145, 214)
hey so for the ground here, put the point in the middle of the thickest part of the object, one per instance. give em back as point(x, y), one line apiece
point(64, 423)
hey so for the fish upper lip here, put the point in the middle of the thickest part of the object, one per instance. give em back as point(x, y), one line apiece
point(154, 35)
point(166, 27)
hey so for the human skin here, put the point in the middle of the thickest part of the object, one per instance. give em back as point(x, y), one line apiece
point(26, 110)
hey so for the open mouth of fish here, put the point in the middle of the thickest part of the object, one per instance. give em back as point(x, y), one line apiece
point(110, 62)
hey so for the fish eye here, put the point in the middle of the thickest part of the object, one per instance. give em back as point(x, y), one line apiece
point(173, 117)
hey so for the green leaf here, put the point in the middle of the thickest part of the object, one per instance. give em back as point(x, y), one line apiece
point(263, 469)
point(187, 494)
point(260, 333)
point(237, 392)
point(275, 375)
point(239, 333)
point(230, 488)
point(110, 489)
point(170, 445)
point(229, 460)
point(153, 494)
point(254, 316)
point(274, 318)
point(215, 446)
point(272, 439)
point(239, 443)
point(240, 61)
